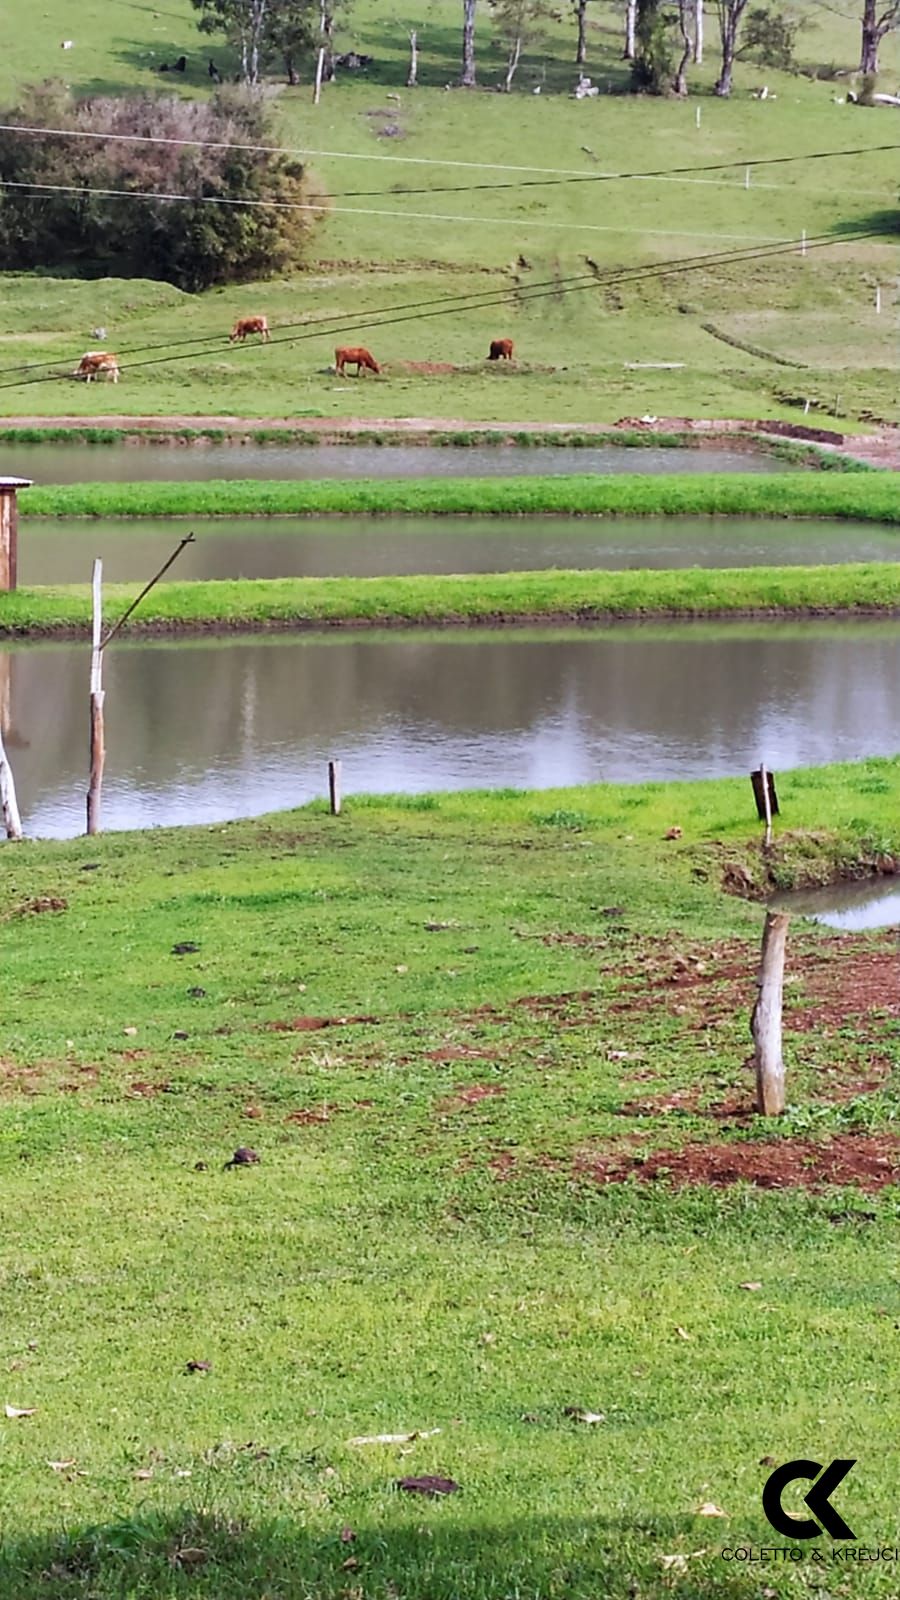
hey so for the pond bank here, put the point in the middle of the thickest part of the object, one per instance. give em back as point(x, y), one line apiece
point(469, 600)
point(861, 496)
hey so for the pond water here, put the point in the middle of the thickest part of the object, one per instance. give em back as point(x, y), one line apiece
point(62, 551)
point(124, 463)
point(214, 729)
point(852, 907)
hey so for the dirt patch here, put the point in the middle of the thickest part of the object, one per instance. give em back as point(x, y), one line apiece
point(428, 367)
point(461, 1052)
point(34, 908)
point(311, 1024)
point(851, 983)
point(147, 1091)
point(870, 1162)
point(461, 1099)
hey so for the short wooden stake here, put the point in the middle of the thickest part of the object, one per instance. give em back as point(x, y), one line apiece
point(98, 746)
point(8, 803)
point(746, 177)
point(767, 803)
point(334, 787)
point(320, 63)
point(766, 798)
point(878, 301)
point(698, 116)
point(765, 1023)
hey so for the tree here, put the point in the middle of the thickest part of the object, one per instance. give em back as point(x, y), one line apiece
point(467, 77)
point(631, 8)
point(290, 32)
point(243, 23)
point(581, 19)
point(685, 12)
point(770, 37)
point(518, 22)
point(730, 14)
point(651, 69)
point(245, 213)
point(875, 26)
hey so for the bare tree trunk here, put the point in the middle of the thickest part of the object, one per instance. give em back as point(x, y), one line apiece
point(698, 32)
point(581, 50)
point(874, 29)
point(467, 80)
point(679, 82)
point(317, 87)
point(8, 804)
point(630, 24)
point(765, 1023)
point(513, 62)
point(413, 59)
point(730, 14)
point(98, 747)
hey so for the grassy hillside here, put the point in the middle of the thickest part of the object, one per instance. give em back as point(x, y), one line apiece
point(758, 338)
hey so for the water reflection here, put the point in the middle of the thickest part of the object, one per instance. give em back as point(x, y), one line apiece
point(851, 907)
point(210, 730)
point(124, 463)
point(52, 551)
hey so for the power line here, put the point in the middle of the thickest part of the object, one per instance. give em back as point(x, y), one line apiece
point(494, 298)
point(551, 174)
point(372, 211)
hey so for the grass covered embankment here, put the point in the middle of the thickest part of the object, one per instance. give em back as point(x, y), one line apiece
point(440, 1022)
point(476, 599)
point(872, 496)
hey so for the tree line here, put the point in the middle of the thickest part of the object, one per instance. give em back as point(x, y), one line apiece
point(661, 38)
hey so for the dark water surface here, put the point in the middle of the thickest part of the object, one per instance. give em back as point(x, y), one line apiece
point(209, 730)
point(852, 907)
point(52, 551)
point(124, 463)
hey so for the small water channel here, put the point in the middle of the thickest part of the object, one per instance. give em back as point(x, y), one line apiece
point(52, 551)
point(852, 907)
point(127, 463)
point(203, 731)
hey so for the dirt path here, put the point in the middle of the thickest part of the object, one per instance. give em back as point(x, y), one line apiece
point(881, 449)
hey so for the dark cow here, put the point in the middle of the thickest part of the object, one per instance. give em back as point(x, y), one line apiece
point(501, 350)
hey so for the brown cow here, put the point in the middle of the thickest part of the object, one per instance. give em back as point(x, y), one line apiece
point(245, 325)
point(501, 349)
point(96, 361)
point(354, 356)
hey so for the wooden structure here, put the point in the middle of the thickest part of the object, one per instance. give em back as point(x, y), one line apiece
point(765, 1023)
point(9, 529)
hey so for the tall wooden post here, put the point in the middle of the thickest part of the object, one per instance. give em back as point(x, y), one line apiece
point(98, 748)
point(9, 529)
point(765, 1023)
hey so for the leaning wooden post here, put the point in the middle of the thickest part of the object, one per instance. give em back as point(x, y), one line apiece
point(767, 802)
point(765, 1023)
point(334, 787)
point(9, 530)
point(98, 748)
point(8, 804)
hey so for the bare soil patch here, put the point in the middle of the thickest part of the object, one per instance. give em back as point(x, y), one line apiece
point(868, 1161)
point(462, 1098)
point(311, 1024)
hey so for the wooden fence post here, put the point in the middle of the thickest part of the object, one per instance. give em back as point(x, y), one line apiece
point(98, 747)
point(765, 1023)
point(9, 529)
point(334, 787)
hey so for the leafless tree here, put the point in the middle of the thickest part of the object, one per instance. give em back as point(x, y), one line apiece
point(730, 15)
point(875, 25)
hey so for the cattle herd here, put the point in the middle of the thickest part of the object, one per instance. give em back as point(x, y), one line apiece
point(95, 362)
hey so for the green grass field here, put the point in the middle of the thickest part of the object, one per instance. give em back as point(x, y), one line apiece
point(433, 1049)
point(810, 320)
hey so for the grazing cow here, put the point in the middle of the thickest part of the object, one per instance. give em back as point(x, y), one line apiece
point(355, 356)
point(214, 72)
point(180, 64)
point(96, 361)
point(501, 350)
point(246, 325)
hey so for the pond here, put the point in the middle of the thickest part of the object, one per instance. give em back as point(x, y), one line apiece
point(62, 551)
point(212, 729)
point(852, 907)
point(126, 463)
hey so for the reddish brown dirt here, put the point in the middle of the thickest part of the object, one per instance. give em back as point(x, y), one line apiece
point(461, 1052)
point(470, 1096)
point(870, 1162)
point(852, 983)
point(310, 1024)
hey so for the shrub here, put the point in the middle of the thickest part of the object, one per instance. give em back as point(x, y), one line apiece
point(214, 234)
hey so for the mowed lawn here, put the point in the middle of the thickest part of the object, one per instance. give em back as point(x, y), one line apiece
point(426, 261)
point(440, 1023)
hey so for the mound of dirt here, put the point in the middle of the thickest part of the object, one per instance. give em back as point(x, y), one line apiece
point(868, 1161)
